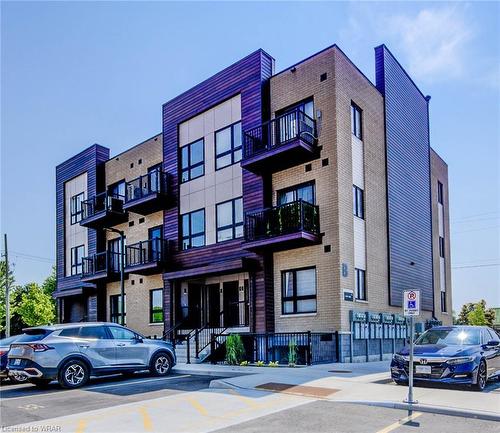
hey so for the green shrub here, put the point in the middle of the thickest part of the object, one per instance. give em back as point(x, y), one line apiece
point(244, 363)
point(292, 353)
point(273, 364)
point(234, 349)
point(260, 363)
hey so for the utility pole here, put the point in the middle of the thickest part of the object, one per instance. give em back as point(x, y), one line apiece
point(7, 288)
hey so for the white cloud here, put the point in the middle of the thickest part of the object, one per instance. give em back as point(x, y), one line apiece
point(433, 41)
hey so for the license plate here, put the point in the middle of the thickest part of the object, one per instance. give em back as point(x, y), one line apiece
point(17, 361)
point(423, 369)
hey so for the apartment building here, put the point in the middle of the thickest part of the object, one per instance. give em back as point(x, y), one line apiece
point(300, 201)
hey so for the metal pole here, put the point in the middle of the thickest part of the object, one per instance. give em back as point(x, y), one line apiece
point(122, 277)
point(7, 289)
point(410, 367)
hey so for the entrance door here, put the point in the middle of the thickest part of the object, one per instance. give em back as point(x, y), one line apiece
point(194, 305)
point(214, 305)
point(231, 303)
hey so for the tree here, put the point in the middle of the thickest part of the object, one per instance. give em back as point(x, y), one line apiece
point(477, 316)
point(479, 309)
point(36, 307)
point(2, 292)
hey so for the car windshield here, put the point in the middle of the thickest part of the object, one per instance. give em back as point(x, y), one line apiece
point(450, 336)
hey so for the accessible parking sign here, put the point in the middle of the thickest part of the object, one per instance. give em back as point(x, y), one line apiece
point(411, 302)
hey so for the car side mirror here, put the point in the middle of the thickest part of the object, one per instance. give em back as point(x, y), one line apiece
point(138, 339)
point(493, 343)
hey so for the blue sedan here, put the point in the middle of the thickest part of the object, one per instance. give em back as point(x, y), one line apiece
point(468, 355)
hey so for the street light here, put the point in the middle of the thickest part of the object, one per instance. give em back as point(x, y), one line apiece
point(122, 272)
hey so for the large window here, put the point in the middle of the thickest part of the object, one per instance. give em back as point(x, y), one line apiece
point(443, 301)
point(360, 277)
point(192, 160)
point(440, 193)
point(441, 247)
point(193, 229)
point(358, 202)
point(77, 254)
point(115, 254)
point(230, 220)
point(156, 306)
point(228, 146)
point(117, 190)
point(115, 309)
point(356, 121)
point(77, 208)
point(303, 192)
point(299, 291)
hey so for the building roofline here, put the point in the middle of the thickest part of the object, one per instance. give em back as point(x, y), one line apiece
point(403, 69)
point(439, 156)
point(333, 46)
point(133, 147)
point(175, 98)
point(95, 145)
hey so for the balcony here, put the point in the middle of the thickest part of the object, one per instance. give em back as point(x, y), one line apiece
point(281, 143)
point(101, 266)
point(146, 257)
point(288, 226)
point(147, 194)
point(103, 210)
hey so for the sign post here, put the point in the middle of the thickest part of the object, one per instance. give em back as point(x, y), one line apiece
point(411, 308)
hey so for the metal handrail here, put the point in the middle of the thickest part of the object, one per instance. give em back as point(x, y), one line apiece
point(148, 251)
point(100, 262)
point(104, 201)
point(155, 181)
point(282, 219)
point(278, 132)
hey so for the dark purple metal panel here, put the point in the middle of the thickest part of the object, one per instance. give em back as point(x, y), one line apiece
point(408, 180)
point(88, 161)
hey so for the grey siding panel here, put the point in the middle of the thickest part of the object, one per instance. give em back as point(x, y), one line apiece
point(408, 181)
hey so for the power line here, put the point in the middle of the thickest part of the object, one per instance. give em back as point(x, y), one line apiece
point(474, 216)
point(475, 266)
point(475, 230)
point(31, 256)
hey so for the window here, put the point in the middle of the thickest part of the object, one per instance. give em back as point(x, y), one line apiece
point(155, 236)
point(358, 203)
point(193, 229)
point(94, 333)
point(192, 160)
point(303, 192)
point(118, 190)
point(77, 254)
point(441, 246)
point(306, 107)
point(156, 306)
point(122, 333)
point(230, 220)
point(360, 276)
point(356, 121)
point(115, 309)
point(70, 332)
point(440, 193)
point(443, 302)
point(115, 254)
point(77, 208)
point(228, 146)
point(154, 178)
point(299, 291)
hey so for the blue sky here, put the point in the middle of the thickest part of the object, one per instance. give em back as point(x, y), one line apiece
point(76, 73)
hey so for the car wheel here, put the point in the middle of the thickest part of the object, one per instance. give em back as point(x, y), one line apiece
point(73, 374)
point(40, 383)
point(19, 379)
point(161, 364)
point(400, 383)
point(482, 377)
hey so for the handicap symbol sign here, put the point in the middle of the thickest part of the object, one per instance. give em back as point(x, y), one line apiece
point(412, 304)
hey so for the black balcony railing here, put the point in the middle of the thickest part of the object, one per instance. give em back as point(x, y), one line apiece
point(278, 132)
point(103, 202)
point(297, 216)
point(155, 182)
point(144, 252)
point(101, 263)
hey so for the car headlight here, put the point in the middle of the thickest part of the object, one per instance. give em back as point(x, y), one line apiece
point(461, 360)
point(399, 358)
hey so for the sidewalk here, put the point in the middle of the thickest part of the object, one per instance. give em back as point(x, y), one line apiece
point(364, 383)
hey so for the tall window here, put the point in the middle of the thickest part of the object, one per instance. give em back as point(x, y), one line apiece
point(356, 121)
point(298, 291)
point(154, 178)
point(118, 190)
point(115, 302)
point(115, 254)
point(230, 220)
point(306, 107)
point(360, 277)
point(156, 306)
point(441, 247)
point(228, 146)
point(77, 254)
point(77, 208)
point(303, 192)
point(358, 203)
point(440, 193)
point(192, 160)
point(193, 229)
point(443, 301)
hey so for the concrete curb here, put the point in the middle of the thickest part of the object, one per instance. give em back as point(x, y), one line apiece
point(440, 410)
point(211, 373)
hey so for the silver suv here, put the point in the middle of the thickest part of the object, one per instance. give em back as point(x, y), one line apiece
point(72, 352)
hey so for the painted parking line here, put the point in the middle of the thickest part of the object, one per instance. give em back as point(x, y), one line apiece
point(82, 424)
point(147, 422)
point(399, 423)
